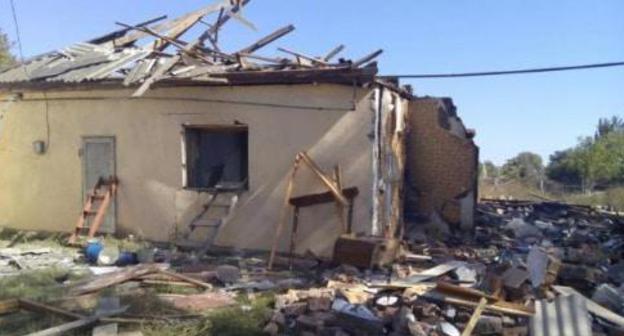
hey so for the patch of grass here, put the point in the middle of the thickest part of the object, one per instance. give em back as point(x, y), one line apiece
point(613, 197)
point(37, 285)
point(238, 321)
point(247, 319)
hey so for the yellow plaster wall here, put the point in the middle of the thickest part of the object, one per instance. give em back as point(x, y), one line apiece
point(44, 192)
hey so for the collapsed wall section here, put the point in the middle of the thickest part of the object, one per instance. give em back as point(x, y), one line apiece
point(441, 168)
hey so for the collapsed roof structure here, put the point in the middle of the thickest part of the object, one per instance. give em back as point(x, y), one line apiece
point(158, 50)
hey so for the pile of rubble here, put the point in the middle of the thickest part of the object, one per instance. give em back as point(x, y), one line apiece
point(530, 268)
point(538, 268)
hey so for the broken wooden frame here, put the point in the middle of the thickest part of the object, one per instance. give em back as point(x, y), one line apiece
point(334, 189)
point(140, 272)
point(134, 273)
point(77, 320)
point(316, 199)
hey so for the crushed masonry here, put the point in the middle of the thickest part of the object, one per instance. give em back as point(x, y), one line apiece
point(451, 285)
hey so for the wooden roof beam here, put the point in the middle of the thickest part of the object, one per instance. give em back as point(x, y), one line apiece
point(267, 40)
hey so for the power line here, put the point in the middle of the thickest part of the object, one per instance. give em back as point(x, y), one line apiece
point(509, 72)
point(18, 35)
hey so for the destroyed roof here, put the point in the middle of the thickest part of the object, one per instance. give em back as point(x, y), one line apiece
point(153, 52)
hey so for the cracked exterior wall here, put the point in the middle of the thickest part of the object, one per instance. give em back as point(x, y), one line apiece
point(442, 164)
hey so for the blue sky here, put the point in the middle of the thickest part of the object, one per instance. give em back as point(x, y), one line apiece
point(540, 113)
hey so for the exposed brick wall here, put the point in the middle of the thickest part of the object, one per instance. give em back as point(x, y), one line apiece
point(442, 162)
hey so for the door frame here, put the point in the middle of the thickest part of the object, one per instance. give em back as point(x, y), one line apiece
point(108, 139)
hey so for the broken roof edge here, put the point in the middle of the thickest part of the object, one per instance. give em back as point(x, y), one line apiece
point(345, 76)
point(393, 86)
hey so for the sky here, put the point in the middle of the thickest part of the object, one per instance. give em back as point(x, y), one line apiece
point(541, 113)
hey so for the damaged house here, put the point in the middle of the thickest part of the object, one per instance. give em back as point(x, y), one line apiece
point(169, 138)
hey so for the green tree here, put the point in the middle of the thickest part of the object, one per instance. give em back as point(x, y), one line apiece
point(560, 170)
point(6, 57)
point(606, 126)
point(488, 170)
point(526, 167)
point(597, 160)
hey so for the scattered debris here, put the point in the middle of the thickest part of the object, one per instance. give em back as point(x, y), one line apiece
point(492, 283)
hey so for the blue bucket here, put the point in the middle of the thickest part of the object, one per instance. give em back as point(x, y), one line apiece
point(93, 249)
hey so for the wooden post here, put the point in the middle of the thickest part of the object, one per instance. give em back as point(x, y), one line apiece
point(293, 236)
point(282, 217)
point(326, 180)
point(475, 318)
point(340, 208)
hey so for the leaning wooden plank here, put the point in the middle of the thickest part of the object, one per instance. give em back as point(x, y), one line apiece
point(8, 306)
point(306, 57)
point(333, 53)
point(367, 58)
point(187, 279)
point(168, 25)
point(122, 32)
point(43, 308)
point(223, 19)
point(164, 41)
point(160, 71)
point(267, 40)
point(178, 30)
point(464, 292)
point(472, 323)
point(324, 178)
point(340, 208)
point(171, 62)
point(322, 198)
point(64, 328)
point(497, 307)
point(283, 212)
point(167, 283)
point(115, 278)
point(592, 306)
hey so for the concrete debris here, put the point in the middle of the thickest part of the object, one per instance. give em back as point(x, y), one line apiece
point(228, 274)
point(448, 329)
point(492, 283)
point(610, 297)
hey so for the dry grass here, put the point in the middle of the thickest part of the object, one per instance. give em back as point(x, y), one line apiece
point(511, 189)
point(247, 319)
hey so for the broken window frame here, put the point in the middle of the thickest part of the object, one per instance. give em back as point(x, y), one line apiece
point(231, 129)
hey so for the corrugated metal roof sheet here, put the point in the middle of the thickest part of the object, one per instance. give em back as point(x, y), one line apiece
point(567, 315)
point(80, 62)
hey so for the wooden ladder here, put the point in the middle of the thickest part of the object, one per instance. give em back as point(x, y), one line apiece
point(97, 203)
